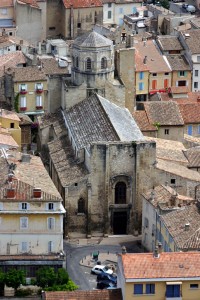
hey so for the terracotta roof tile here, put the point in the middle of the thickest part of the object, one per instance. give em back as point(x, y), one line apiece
point(82, 3)
point(192, 40)
point(169, 42)
point(142, 120)
point(168, 265)
point(193, 156)
point(114, 294)
point(178, 63)
point(6, 3)
point(11, 115)
point(11, 60)
point(29, 2)
point(190, 112)
point(31, 73)
point(50, 67)
point(139, 62)
point(189, 97)
point(179, 89)
point(6, 140)
point(166, 113)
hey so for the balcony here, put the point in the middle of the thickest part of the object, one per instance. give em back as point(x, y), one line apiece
point(23, 92)
point(39, 107)
point(23, 108)
point(39, 91)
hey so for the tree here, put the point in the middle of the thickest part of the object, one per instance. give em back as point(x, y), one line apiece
point(13, 278)
point(45, 277)
point(62, 277)
point(2, 279)
point(165, 3)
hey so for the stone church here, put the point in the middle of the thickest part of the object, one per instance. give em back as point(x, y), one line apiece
point(93, 71)
point(101, 164)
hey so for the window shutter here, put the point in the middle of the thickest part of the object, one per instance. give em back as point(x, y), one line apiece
point(138, 289)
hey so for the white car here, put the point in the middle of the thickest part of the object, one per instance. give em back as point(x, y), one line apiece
point(98, 269)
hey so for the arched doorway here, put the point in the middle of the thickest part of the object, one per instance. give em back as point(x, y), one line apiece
point(120, 193)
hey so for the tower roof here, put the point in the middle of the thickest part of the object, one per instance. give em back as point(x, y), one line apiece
point(92, 39)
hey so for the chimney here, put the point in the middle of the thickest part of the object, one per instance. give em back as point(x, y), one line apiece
point(160, 249)
point(145, 60)
point(152, 197)
point(156, 254)
point(10, 193)
point(123, 250)
point(10, 177)
point(25, 158)
point(187, 227)
point(37, 193)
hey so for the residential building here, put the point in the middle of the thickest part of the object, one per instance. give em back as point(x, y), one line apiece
point(190, 114)
point(143, 123)
point(6, 140)
point(190, 41)
point(161, 200)
point(31, 216)
point(109, 294)
point(169, 45)
point(159, 70)
point(181, 71)
point(114, 11)
point(172, 275)
point(141, 78)
point(7, 19)
point(89, 137)
point(25, 125)
point(193, 157)
point(165, 116)
point(9, 120)
point(30, 90)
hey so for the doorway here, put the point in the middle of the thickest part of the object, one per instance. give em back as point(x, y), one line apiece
point(120, 222)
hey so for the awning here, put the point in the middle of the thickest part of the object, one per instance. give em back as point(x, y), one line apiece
point(173, 282)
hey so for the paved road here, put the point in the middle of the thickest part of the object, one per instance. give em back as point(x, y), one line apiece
point(81, 275)
point(177, 8)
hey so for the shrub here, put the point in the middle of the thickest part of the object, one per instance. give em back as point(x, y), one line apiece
point(23, 292)
point(13, 278)
point(45, 277)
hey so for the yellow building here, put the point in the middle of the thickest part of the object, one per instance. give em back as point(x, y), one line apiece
point(160, 276)
point(141, 78)
point(9, 120)
point(30, 88)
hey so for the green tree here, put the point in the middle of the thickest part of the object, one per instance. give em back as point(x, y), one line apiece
point(165, 3)
point(62, 277)
point(13, 278)
point(45, 277)
point(2, 279)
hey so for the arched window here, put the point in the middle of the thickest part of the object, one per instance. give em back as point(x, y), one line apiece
point(88, 64)
point(120, 193)
point(77, 62)
point(81, 206)
point(103, 63)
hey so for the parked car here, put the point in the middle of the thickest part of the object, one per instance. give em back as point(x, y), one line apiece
point(98, 269)
point(185, 5)
point(104, 276)
point(191, 9)
point(105, 284)
point(176, 1)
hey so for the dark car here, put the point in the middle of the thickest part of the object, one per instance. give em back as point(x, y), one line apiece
point(104, 276)
point(184, 5)
point(105, 284)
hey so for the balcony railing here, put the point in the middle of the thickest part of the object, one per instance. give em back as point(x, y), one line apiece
point(23, 108)
point(23, 92)
point(39, 91)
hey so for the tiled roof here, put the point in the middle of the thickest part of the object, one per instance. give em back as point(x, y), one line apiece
point(114, 294)
point(11, 60)
point(31, 73)
point(166, 197)
point(6, 140)
point(97, 119)
point(192, 40)
point(155, 61)
point(169, 42)
point(92, 39)
point(178, 170)
point(51, 67)
point(82, 3)
point(4, 171)
point(193, 156)
point(178, 63)
point(11, 115)
point(175, 223)
point(166, 113)
point(189, 97)
point(6, 3)
point(190, 112)
point(169, 150)
point(30, 257)
point(139, 62)
point(168, 265)
point(142, 120)
point(193, 140)
point(32, 3)
point(24, 119)
point(179, 89)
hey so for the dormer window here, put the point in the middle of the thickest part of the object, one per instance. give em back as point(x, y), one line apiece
point(39, 88)
point(24, 206)
point(23, 88)
point(50, 206)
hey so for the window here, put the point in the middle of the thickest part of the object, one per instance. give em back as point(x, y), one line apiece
point(88, 64)
point(4, 11)
point(109, 4)
point(196, 73)
point(39, 86)
point(166, 83)
point(50, 223)
point(121, 10)
point(24, 205)
point(173, 291)
point(173, 181)
point(167, 73)
point(22, 102)
point(198, 58)
point(50, 246)
point(79, 25)
point(198, 129)
point(141, 86)
point(154, 74)
point(81, 206)
point(120, 193)
point(76, 62)
point(166, 131)
point(194, 286)
point(103, 63)
point(154, 84)
point(182, 73)
point(12, 125)
point(141, 75)
point(150, 288)
point(146, 222)
point(24, 247)
point(22, 87)
point(52, 28)
point(189, 129)
point(39, 102)
point(23, 223)
point(109, 14)
point(138, 289)
point(195, 85)
point(51, 206)
point(134, 10)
